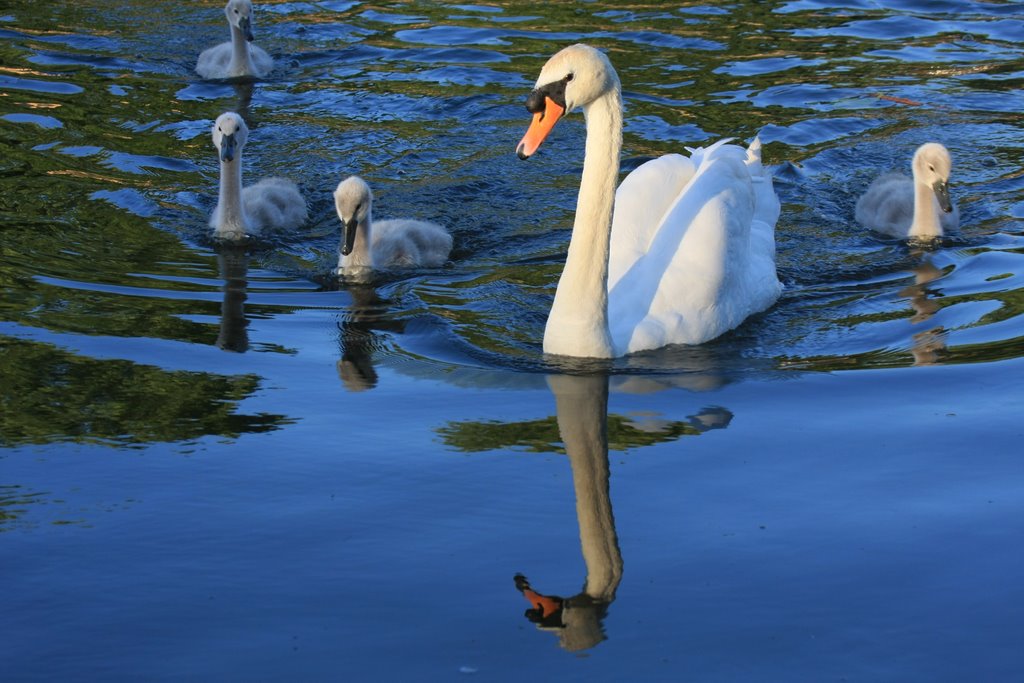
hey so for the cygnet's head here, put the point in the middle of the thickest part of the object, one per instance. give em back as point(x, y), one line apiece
point(574, 77)
point(932, 166)
point(354, 203)
point(229, 135)
point(239, 14)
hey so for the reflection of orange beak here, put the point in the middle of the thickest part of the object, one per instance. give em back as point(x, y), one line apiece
point(542, 124)
point(546, 605)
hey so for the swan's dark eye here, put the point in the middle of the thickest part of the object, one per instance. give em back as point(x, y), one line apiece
point(568, 77)
point(236, 11)
point(931, 168)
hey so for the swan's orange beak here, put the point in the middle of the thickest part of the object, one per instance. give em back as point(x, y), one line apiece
point(543, 122)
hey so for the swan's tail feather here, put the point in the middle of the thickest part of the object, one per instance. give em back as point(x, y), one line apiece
point(710, 148)
point(754, 151)
point(758, 174)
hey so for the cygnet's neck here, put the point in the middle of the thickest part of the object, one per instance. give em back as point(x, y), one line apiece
point(926, 212)
point(241, 59)
point(230, 212)
point(361, 255)
point(578, 322)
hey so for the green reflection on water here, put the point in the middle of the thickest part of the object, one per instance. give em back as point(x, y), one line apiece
point(542, 436)
point(52, 395)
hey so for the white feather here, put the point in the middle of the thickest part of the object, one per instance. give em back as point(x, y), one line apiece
point(902, 207)
point(270, 204)
point(394, 243)
point(691, 249)
point(238, 57)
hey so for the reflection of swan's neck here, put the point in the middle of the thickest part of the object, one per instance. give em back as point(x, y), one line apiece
point(926, 217)
point(234, 268)
point(230, 212)
point(578, 322)
point(582, 406)
point(241, 59)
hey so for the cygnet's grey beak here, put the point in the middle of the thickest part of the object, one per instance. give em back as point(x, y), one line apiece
point(245, 24)
point(941, 188)
point(348, 235)
point(227, 147)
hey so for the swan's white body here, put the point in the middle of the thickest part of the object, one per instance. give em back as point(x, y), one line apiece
point(270, 204)
point(690, 251)
point(917, 207)
point(395, 243)
point(236, 58)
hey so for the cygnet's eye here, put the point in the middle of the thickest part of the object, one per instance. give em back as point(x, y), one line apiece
point(236, 11)
point(931, 168)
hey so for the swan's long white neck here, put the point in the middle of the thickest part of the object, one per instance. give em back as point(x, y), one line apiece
point(361, 255)
point(231, 216)
point(578, 322)
point(926, 216)
point(241, 59)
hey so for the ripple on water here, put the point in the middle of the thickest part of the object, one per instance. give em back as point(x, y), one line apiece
point(40, 120)
point(815, 131)
point(34, 85)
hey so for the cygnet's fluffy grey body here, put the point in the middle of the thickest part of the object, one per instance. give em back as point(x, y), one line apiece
point(395, 243)
point(238, 57)
point(270, 204)
point(918, 207)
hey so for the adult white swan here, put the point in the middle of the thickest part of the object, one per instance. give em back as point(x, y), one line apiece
point(690, 251)
point(270, 204)
point(395, 243)
point(236, 58)
point(903, 207)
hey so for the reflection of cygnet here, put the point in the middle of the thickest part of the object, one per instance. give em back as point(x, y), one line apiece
point(234, 268)
point(235, 58)
point(928, 345)
point(270, 204)
point(398, 243)
point(902, 207)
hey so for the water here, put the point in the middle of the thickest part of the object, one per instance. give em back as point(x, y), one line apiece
point(226, 465)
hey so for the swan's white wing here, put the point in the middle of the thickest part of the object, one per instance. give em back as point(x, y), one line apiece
point(213, 62)
point(710, 260)
point(766, 202)
point(408, 243)
point(263, 62)
point(641, 202)
point(888, 205)
point(274, 204)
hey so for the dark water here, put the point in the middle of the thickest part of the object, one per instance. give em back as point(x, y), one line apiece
point(226, 465)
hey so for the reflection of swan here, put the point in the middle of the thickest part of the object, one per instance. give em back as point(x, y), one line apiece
point(898, 206)
point(711, 417)
point(234, 269)
point(691, 251)
point(237, 57)
point(398, 243)
point(582, 406)
point(928, 345)
point(367, 314)
point(272, 203)
point(243, 97)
